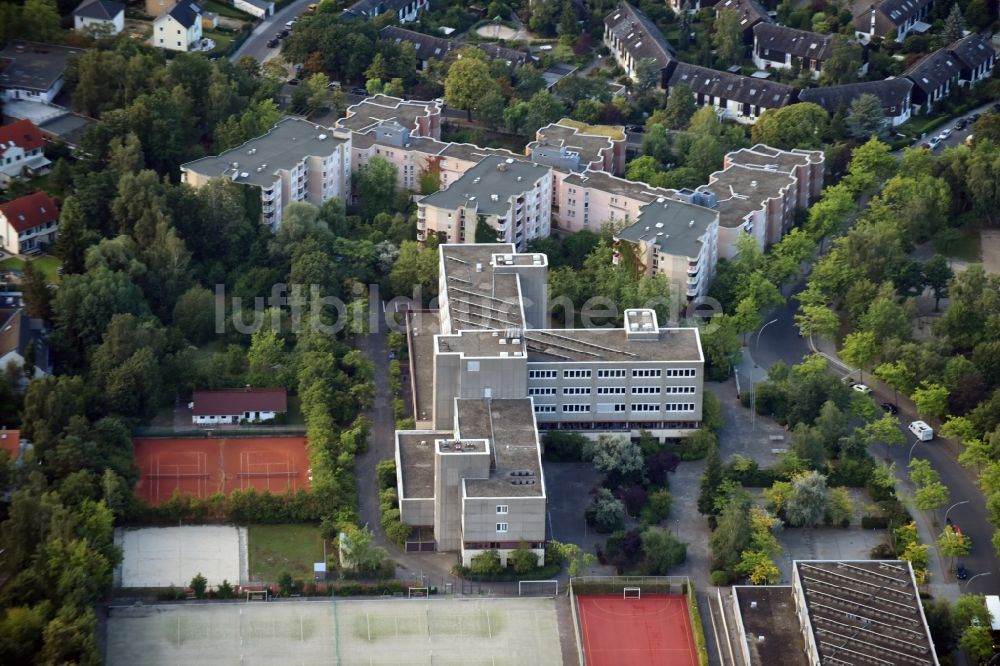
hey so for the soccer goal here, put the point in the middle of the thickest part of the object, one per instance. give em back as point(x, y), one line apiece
point(632, 593)
point(538, 588)
point(257, 594)
point(418, 592)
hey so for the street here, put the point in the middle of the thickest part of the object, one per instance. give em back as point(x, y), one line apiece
point(256, 46)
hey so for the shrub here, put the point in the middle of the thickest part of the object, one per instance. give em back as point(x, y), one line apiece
point(657, 508)
point(696, 445)
point(874, 522)
point(634, 498)
point(605, 513)
point(659, 465)
point(397, 532)
point(486, 563)
point(198, 585)
point(522, 560)
point(661, 550)
point(883, 551)
point(561, 446)
point(719, 578)
point(385, 472)
point(622, 549)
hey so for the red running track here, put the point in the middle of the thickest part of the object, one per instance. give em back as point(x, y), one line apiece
point(652, 631)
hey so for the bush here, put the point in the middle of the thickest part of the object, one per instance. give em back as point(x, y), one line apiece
point(634, 498)
point(874, 522)
point(661, 551)
point(522, 560)
point(486, 563)
point(883, 551)
point(719, 578)
point(696, 445)
point(560, 446)
point(385, 472)
point(622, 550)
point(397, 532)
point(659, 465)
point(657, 509)
point(605, 513)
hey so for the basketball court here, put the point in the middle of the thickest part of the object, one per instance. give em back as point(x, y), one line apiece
point(435, 630)
point(200, 466)
point(165, 556)
point(633, 629)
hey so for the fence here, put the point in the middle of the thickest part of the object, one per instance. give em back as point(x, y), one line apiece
point(617, 584)
point(231, 431)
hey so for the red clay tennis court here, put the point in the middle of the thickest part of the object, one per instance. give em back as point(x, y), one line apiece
point(200, 466)
point(652, 630)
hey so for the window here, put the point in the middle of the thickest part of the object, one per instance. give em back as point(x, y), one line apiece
point(545, 409)
point(681, 372)
point(645, 372)
point(610, 390)
point(610, 407)
point(473, 366)
point(501, 527)
point(645, 407)
point(576, 408)
point(542, 374)
point(576, 390)
point(645, 390)
point(679, 407)
point(576, 374)
point(680, 389)
point(545, 390)
point(605, 374)
point(502, 508)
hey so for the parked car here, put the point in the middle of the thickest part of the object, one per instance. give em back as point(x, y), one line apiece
point(996, 107)
point(861, 388)
point(924, 432)
point(635, 129)
point(974, 117)
point(290, 24)
point(961, 572)
point(273, 43)
point(933, 142)
point(961, 124)
point(358, 91)
point(945, 133)
point(293, 82)
point(890, 408)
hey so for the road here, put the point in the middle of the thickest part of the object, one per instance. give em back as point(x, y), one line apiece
point(256, 46)
point(958, 136)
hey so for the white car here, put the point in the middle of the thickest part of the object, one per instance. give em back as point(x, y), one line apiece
point(290, 24)
point(933, 142)
point(861, 388)
point(945, 133)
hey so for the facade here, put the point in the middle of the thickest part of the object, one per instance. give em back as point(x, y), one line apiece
point(883, 19)
point(232, 406)
point(296, 161)
point(258, 8)
point(739, 98)
point(406, 11)
point(33, 71)
point(934, 77)
point(570, 145)
point(28, 223)
point(21, 151)
point(20, 337)
point(632, 38)
point(778, 47)
point(512, 197)
point(751, 14)
point(487, 373)
point(592, 199)
point(99, 15)
point(893, 93)
point(976, 58)
point(179, 27)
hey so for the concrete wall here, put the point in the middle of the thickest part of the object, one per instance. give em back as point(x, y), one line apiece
point(450, 470)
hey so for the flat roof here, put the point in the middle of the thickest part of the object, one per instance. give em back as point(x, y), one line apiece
point(473, 153)
point(479, 296)
point(489, 185)
point(510, 426)
point(741, 190)
point(605, 182)
point(416, 456)
point(588, 146)
point(608, 345)
point(369, 112)
point(676, 227)
point(613, 132)
point(767, 157)
point(771, 627)
point(283, 147)
point(33, 66)
point(482, 344)
point(864, 610)
point(422, 326)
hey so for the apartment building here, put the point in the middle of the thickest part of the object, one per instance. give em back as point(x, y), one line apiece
point(675, 239)
point(593, 199)
point(296, 161)
point(570, 145)
point(487, 374)
point(894, 94)
point(420, 118)
point(778, 47)
point(511, 197)
point(632, 38)
point(934, 77)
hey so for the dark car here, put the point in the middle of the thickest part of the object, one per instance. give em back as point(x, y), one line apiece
point(961, 572)
point(974, 117)
point(293, 82)
point(996, 107)
point(891, 408)
point(962, 124)
point(358, 91)
point(283, 34)
point(271, 44)
point(635, 129)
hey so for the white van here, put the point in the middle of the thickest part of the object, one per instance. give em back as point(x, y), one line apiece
point(924, 432)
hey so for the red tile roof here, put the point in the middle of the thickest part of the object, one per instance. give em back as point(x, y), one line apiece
point(22, 133)
point(10, 440)
point(227, 402)
point(30, 211)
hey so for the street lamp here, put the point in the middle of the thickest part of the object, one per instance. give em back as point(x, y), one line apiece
point(952, 507)
point(985, 573)
point(909, 456)
point(753, 376)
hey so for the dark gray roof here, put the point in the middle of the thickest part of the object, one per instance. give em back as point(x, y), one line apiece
point(639, 35)
point(16, 333)
point(799, 43)
point(373, 8)
point(427, 47)
point(33, 66)
point(489, 185)
point(745, 89)
point(68, 127)
point(512, 56)
point(898, 11)
point(103, 10)
point(751, 12)
point(675, 227)
point(973, 50)
point(185, 12)
point(933, 71)
point(893, 93)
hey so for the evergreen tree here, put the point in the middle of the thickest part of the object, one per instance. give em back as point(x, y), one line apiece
point(710, 480)
point(954, 24)
point(865, 118)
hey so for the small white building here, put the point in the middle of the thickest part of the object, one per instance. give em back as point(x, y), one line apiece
point(231, 406)
point(258, 8)
point(96, 16)
point(33, 71)
point(28, 223)
point(21, 154)
point(179, 28)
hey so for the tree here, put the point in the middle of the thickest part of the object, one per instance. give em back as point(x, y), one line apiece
point(198, 585)
point(375, 184)
point(40, 21)
point(647, 75)
point(844, 62)
point(799, 125)
point(469, 82)
point(662, 551)
point(36, 292)
point(727, 36)
point(576, 557)
point(543, 108)
point(953, 544)
point(617, 457)
point(490, 109)
point(977, 642)
point(711, 479)
point(74, 237)
point(21, 632)
point(860, 349)
point(931, 400)
point(605, 513)
point(937, 275)
point(731, 537)
point(817, 320)
point(839, 506)
point(194, 315)
point(758, 567)
point(522, 560)
point(415, 273)
point(987, 128)
point(865, 117)
point(807, 501)
point(486, 563)
point(954, 25)
point(931, 496)
point(680, 107)
point(362, 554)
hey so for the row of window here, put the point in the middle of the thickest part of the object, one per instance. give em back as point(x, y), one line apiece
point(613, 390)
point(611, 408)
point(618, 372)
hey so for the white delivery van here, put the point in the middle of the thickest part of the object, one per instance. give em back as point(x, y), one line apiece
point(993, 606)
point(924, 432)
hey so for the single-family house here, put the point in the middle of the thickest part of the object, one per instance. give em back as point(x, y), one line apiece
point(231, 406)
point(21, 151)
point(102, 16)
point(426, 47)
point(778, 47)
point(894, 94)
point(934, 77)
point(740, 98)
point(179, 28)
point(632, 37)
point(33, 71)
point(28, 223)
point(883, 19)
point(976, 58)
point(751, 13)
point(22, 340)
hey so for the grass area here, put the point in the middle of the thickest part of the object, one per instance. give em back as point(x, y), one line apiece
point(275, 549)
point(225, 10)
point(222, 41)
point(49, 265)
point(601, 130)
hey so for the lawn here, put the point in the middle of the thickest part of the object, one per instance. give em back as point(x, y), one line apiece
point(275, 549)
point(225, 10)
point(49, 265)
point(222, 41)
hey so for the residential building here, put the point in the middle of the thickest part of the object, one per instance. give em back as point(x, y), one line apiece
point(778, 47)
point(21, 151)
point(23, 339)
point(570, 145)
point(890, 18)
point(675, 239)
point(406, 11)
point(514, 58)
point(258, 8)
point(486, 376)
point(11, 442)
point(179, 27)
point(893, 93)
point(33, 71)
point(751, 12)
point(934, 77)
point(155, 8)
point(103, 16)
point(426, 47)
point(739, 98)
point(633, 38)
point(28, 223)
point(233, 406)
point(512, 197)
point(976, 58)
point(296, 161)
point(593, 199)
point(419, 117)
point(693, 5)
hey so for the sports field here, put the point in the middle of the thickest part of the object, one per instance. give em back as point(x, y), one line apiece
point(165, 556)
point(654, 629)
point(439, 631)
point(201, 466)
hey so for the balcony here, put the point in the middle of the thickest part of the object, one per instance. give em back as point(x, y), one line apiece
point(421, 224)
